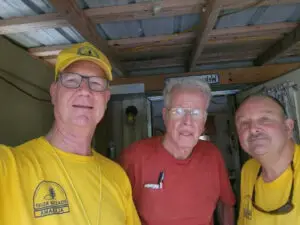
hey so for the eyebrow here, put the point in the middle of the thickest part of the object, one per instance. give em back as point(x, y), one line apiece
point(263, 112)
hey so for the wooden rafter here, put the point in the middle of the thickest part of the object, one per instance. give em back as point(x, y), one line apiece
point(218, 36)
point(227, 76)
point(279, 48)
point(208, 20)
point(76, 17)
point(136, 11)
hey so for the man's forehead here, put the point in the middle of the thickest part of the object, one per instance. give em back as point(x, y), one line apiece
point(85, 65)
point(258, 104)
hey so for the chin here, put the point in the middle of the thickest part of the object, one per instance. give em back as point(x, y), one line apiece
point(258, 151)
point(187, 144)
point(82, 122)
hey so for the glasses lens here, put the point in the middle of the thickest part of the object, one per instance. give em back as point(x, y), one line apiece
point(98, 83)
point(198, 114)
point(70, 80)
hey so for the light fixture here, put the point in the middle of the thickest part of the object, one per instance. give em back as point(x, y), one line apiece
point(131, 113)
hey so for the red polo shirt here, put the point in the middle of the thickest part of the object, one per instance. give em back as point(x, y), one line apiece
point(191, 187)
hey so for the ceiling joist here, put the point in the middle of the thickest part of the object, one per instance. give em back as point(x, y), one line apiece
point(144, 10)
point(208, 19)
point(235, 35)
point(76, 17)
point(279, 48)
point(227, 76)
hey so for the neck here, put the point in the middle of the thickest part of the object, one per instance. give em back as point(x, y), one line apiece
point(70, 140)
point(273, 167)
point(175, 150)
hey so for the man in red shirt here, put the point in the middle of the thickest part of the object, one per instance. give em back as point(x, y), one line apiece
point(177, 179)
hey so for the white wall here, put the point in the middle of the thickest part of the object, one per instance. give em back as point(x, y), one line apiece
point(21, 117)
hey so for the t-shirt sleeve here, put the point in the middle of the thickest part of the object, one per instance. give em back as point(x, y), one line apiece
point(226, 193)
point(4, 157)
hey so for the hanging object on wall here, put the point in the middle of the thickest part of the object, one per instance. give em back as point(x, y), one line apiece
point(131, 113)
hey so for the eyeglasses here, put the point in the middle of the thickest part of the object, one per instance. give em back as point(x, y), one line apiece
point(74, 80)
point(179, 113)
point(286, 208)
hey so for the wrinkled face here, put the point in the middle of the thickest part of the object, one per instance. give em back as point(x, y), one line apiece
point(80, 106)
point(185, 117)
point(262, 127)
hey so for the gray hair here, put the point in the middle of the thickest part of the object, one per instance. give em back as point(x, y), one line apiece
point(186, 82)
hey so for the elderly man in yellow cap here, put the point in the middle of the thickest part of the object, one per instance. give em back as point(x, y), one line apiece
point(58, 179)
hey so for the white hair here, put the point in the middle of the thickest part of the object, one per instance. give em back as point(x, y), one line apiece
point(186, 83)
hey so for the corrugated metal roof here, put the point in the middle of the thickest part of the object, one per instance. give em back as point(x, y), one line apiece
point(13, 8)
point(44, 37)
point(143, 28)
point(261, 15)
point(140, 28)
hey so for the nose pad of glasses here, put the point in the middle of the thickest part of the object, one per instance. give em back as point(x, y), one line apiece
point(84, 83)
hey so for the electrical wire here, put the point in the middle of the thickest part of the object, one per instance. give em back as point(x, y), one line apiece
point(23, 91)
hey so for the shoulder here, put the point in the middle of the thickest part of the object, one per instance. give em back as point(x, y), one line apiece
point(207, 148)
point(250, 165)
point(29, 145)
point(7, 152)
point(112, 171)
point(249, 171)
point(9, 155)
point(5, 156)
point(141, 148)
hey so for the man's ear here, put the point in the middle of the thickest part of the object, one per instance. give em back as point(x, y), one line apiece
point(289, 124)
point(53, 92)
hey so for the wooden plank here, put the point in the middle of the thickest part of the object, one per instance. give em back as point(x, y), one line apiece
point(143, 10)
point(154, 52)
point(227, 76)
point(156, 63)
point(218, 36)
point(208, 20)
point(236, 4)
point(212, 57)
point(279, 48)
point(76, 17)
point(29, 23)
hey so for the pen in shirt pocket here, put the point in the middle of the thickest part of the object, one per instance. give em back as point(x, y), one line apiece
point(161, 178)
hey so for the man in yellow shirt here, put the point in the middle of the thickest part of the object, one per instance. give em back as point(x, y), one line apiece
point(58, 179)
point(270, 183)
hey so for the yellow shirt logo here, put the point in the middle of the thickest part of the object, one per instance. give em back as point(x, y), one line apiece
point(49, 199)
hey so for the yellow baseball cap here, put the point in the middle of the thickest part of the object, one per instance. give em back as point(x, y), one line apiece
point(82, 51)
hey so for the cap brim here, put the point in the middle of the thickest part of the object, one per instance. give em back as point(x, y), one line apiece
point(102, 65)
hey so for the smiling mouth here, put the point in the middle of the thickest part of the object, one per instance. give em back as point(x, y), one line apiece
point(82, 106)
point(186, 134)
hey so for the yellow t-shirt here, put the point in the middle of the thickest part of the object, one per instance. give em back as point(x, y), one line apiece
point(40, 184)
point(269, 196)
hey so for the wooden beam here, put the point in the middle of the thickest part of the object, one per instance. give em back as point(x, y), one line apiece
point(213, 57)
point(279, 48)
point(30, 23)
point(76, 17)
point(227, 76)
point(143, 10)
point(208, 20)
point(155, 63)
point(216, 37)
